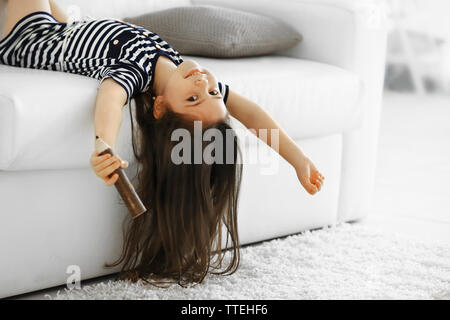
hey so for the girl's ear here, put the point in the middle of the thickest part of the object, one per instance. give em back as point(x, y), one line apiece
point(158, 107)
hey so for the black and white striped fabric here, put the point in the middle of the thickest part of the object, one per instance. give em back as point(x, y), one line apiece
point(98, 48)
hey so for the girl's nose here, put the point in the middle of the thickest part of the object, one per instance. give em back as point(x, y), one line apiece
point(201, 81)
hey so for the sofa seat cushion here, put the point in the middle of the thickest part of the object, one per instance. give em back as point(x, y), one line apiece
point(46, 117)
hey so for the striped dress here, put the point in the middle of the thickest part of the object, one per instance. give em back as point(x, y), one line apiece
point(97, 48)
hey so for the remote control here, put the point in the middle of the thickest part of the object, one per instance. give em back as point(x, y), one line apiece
point(123, 185)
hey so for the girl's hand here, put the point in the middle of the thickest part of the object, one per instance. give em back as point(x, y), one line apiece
point(105, 165)
point(310, 178)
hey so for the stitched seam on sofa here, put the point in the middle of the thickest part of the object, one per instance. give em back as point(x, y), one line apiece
point(221, 45)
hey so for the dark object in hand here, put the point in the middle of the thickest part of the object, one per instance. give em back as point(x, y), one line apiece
point(123, 185)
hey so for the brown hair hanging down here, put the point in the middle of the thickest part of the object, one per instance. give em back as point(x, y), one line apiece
point(176, 240)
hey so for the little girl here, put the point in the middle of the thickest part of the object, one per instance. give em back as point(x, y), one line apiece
point(187, 203)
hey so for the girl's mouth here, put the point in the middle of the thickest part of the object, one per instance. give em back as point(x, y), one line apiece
point(192, 72)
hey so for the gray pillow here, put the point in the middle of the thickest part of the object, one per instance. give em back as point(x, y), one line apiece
point(213, 31)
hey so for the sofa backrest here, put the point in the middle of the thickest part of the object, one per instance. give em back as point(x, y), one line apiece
point(106, 8)
point(121, 8)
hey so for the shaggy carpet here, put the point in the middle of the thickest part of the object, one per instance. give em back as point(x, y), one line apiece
point(347, 261)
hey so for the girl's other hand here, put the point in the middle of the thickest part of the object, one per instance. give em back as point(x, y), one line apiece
point(310, 178)
point(105, 165)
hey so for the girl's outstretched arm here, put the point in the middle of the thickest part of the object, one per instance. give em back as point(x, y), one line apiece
point(111, 98)
point(254, 117)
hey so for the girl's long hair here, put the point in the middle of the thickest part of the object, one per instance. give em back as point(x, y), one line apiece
point(176, 240)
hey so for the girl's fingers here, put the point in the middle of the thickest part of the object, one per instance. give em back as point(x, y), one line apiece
point(308, 183)
point(318, 186)
point(313, 189)
point(318, 177)
point(96, 160)
point(105, 163)
point(108, 170)
point(112, 180)
point(319, 182)
point(314, 178)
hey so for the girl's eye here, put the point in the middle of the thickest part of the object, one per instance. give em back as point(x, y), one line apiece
point(195, 98)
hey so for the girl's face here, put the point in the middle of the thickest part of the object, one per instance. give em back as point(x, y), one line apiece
point(193, 91)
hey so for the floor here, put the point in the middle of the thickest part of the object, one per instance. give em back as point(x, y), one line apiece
point(412, 186)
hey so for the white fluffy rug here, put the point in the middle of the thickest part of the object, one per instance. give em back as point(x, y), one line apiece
point(348, 261)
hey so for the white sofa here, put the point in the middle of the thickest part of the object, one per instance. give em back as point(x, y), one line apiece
point(326, 92)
